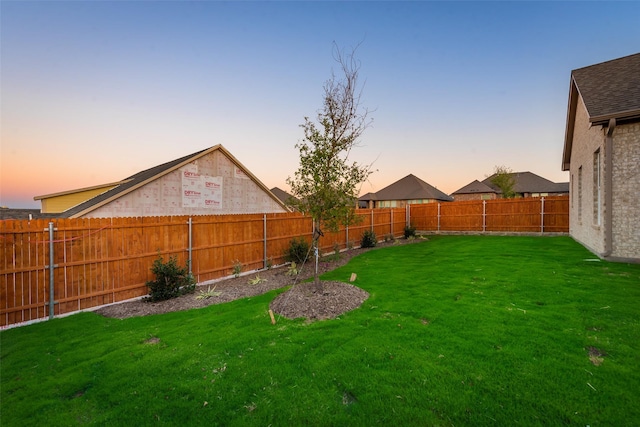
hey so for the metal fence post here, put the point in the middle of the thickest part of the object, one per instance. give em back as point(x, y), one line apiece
point(484, 216)
point(346, 243)
point(51, 267)
point(407, 219)
point(542, 216)
point(189, 249)
point(391, 225)
point(264, 244)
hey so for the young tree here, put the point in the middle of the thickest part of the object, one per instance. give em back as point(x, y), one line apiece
point(326, 183)
point(503, 179)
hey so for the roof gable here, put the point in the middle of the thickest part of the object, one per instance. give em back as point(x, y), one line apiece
point(609, 90)
point(146, 176)
point(411, 188)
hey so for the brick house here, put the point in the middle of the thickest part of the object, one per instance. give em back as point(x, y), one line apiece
point(475, 190)
point(406, 191)
point(602, 154)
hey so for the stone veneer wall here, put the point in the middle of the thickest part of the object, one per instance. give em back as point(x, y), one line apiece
point(586, 141)
point(626, 191)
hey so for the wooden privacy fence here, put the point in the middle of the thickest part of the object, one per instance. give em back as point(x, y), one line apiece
point(524, 215)
point(84, 263)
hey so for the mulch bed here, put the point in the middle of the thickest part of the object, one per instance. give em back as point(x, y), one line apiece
point(299, 301)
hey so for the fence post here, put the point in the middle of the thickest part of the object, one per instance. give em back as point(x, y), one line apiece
point(264, 240)
point(407, 219)
point(542, 216)
point(346, 236)
point(391, 225)
point(371, 219)
point(438, 217)
point(189, 261)
point(484, 216)
point(51, 267)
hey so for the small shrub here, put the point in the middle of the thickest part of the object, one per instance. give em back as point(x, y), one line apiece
point(369, 239)
point(269, 263)
point(389, 238)
point(256, 280)
point(237, 268)
point(293, 269)
point(409, 231)
point(171, 280)
point(209, 293)
point(297, 251)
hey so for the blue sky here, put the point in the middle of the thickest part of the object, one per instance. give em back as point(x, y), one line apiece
point(93, 92)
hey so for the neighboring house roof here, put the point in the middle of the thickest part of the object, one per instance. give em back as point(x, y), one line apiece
point(527, 182)
point(13, 213)
point(609, 90)
point(146, 176)
point(475, 187)
point(78, 190)
point(284, 197)
point(60, 202)
point(367, 197)
point(411, 188)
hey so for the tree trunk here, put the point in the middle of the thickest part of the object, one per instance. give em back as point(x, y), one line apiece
point(318, 288)
point(316, 251)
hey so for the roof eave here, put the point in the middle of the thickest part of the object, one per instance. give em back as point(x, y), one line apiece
point(78, 190)
point(571, 118)
point(629, 115)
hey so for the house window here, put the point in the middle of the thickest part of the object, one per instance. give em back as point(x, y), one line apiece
point(596, 187)
point(388, 203)
point(580, 193)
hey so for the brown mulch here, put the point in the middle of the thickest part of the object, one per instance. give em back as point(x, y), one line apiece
point(335, 299)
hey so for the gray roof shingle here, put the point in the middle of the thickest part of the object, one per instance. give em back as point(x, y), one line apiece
point(475, 187)
point(611, 88)
point(411, 188)
point(527, 182)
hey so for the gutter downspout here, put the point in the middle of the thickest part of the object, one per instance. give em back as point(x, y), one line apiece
point(608, 189)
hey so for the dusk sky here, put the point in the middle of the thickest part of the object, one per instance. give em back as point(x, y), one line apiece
point(93, 92)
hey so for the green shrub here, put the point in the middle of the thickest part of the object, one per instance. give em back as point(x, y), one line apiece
point(171, 280)
point(298, 250)
point(293, 269)
point(369, 239)
point(409, 231)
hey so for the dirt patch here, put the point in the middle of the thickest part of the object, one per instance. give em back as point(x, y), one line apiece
point(596, 356)
point(336, 299)
point(302, 300)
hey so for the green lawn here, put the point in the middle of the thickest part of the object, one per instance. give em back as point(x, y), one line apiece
point(458, 330)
